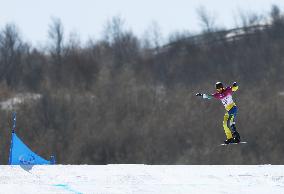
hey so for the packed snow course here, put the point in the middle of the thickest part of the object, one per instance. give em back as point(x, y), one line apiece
point(142, 179)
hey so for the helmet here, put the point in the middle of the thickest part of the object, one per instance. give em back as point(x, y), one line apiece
point(219, 85)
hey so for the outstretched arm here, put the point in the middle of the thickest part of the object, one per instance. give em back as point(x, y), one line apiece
point(204, 96)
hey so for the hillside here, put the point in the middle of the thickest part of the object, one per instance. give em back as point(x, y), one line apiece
point(123, 99)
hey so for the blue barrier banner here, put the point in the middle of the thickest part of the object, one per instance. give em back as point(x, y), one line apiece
point(20, 154)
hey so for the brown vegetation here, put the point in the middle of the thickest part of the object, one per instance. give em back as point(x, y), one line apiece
point(119, 101)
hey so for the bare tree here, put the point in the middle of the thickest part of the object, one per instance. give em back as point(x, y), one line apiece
point(277, 22)
point(207, 20)
point(11, 50)
point(248, 19)
point(114, 29)
point(123, 43)
point(153, 35)
point(275, 13)
point(56, 36)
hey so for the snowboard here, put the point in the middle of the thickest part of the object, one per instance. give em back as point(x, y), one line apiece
point(242, 142)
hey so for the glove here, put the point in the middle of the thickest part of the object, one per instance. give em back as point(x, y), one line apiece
point(198, 94)
point(235, 84)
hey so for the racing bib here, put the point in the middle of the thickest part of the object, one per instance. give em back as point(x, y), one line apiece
point(227, 100)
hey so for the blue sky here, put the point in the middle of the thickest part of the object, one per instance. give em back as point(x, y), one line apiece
point(88, 17)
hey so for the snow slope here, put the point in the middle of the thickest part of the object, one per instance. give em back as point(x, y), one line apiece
point(142, 179)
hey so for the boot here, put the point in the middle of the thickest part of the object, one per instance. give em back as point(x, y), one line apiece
point(236, 137)
point(228, 141)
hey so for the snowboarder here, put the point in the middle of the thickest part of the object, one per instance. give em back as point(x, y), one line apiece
point(225, 95)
